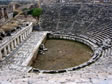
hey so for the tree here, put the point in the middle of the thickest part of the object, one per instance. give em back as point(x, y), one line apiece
point(36, 12)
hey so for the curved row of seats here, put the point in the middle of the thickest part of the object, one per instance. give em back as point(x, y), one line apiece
point(92, 20)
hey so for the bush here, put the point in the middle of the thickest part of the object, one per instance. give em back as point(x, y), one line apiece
point(30, 12)
point(36, 12)
point(15, 13)
point(25, 9)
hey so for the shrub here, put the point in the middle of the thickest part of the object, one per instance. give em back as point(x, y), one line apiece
point(25, 9)
point(30, 12)
point(36, 12)
point(15, 13)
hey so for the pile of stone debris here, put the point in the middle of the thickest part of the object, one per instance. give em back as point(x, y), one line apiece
point(11, 27)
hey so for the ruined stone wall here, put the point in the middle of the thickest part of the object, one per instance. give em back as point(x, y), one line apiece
point(63, 1)
point(74, 1)
point(5, 13)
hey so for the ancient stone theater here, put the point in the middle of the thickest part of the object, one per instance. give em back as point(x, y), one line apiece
point(71, 43)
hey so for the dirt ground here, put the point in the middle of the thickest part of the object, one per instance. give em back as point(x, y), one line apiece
point(62, 54)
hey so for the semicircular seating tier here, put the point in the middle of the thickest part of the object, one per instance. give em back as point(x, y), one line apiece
point(91, 20)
